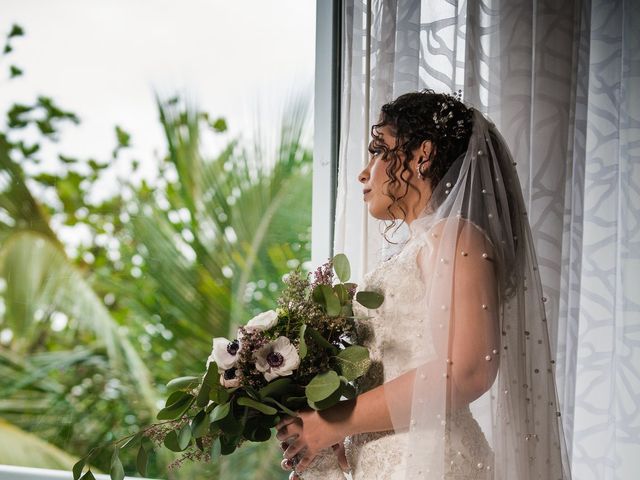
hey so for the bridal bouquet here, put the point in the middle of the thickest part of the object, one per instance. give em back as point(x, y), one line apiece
point(303, 354)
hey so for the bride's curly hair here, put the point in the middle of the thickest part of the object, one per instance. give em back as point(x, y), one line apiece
point(414, 118)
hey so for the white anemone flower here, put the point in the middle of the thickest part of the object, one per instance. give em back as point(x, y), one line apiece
point(277, 359)
point(229, 378)
point(262, 321)
point(224, 353)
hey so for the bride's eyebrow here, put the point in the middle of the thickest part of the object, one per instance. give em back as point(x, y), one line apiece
point(376, 144)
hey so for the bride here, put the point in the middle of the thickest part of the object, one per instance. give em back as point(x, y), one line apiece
point(462, 381)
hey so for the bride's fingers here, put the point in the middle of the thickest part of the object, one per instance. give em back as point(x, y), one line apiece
point(338, 449)
point(304, 462)
point(293, 449)
point(287, 431)
point(285, 421)
point(294, 476)
point(287, 464)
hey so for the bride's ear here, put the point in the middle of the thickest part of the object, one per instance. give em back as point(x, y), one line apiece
point(423, 156)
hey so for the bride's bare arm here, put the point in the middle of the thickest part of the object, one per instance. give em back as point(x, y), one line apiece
point(467, 354)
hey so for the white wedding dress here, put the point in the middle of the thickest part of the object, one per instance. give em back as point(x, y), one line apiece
point(390, 335)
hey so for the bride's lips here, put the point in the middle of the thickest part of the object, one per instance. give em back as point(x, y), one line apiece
point(365, 192)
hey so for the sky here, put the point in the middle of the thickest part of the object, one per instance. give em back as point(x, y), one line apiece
point(104, 59)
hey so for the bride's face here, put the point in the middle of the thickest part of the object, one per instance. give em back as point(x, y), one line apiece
point(376, 180)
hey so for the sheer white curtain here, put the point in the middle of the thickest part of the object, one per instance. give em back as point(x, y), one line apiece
point(561, 80)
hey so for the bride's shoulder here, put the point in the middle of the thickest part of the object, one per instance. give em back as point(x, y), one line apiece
point(466, 235)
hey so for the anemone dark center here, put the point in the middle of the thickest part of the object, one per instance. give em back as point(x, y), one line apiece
point(230, 373)
point(233, 347)
point(275, 359)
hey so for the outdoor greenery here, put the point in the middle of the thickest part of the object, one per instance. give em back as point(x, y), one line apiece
point(91, 333)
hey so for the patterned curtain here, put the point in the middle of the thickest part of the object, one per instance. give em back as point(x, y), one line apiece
point(561, 80)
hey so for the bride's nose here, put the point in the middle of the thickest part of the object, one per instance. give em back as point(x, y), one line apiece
point(364, 175)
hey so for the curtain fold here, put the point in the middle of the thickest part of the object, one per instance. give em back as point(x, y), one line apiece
point(561, 80)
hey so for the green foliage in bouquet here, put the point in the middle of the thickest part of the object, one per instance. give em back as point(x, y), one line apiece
point(305, 354)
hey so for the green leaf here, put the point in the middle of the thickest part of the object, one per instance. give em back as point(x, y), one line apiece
point(260, 434)
point(116, 471)
point(141, 461)
point(285, 409)
point(319, 339)
point(133, 441)
point(184, 436)
point(199, 425)
point(331, 301)
point(14, 71)
point(16, 31)
point(322, 386)
point(78, 467)
point(88, 476)
point(123, 137)
point(219, 394)
point(228, 444)
point(215, 449)
point(261, 407)
point(220, 412)
point(341, 267)
point(354, 361)
point(349, 391)
point(203, 395)
point(343, 295)
point(171, 441)
point(182, 383)
point(370, 300)
point(176, 409)
point(330, 401)
point(279, 386)
point(220, 125)
point(302, 347)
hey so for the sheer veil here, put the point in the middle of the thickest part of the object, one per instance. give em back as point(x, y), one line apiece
point(484, 325)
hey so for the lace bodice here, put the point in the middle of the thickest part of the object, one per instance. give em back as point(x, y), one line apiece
point(390, 334)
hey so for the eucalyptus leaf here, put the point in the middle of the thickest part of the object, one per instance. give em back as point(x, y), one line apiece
point(331, 301)
point(182, 383)
point(325, 403)
point(322, 386)
point(78, 467)
point(302, 346)
point(171, 441)
point(215, 449)
point(342, 294)
point(342, 267)
point(353, 361)
point(220, 412)
point(261, 434)
point(175, 397)
point(141, 461)
point(184, 436)
point(319, 339)
point(88, 476)
point(349, 391)
point(176, 409)
point(369, 300)
point(279, 386)
point(202, 399)
point(285, 409)
point(116, 470)
point(218, 394)
point(199, 425)
point(261, 407)
point(133, 441)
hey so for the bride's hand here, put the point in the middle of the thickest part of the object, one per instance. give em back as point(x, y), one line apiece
point(308, 434)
